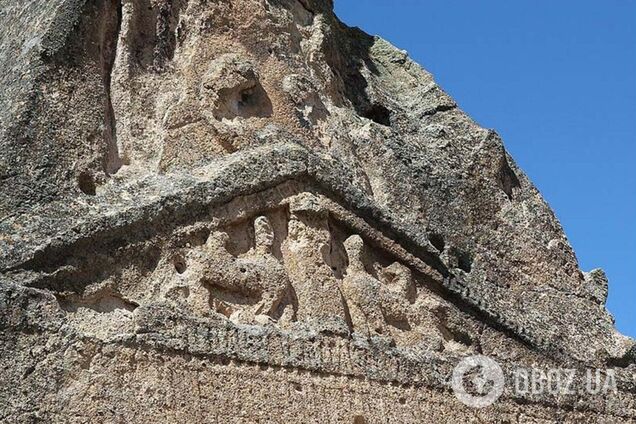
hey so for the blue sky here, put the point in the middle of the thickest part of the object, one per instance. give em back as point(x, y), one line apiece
point(557, 80)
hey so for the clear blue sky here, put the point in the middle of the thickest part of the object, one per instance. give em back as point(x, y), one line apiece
point(557, 79)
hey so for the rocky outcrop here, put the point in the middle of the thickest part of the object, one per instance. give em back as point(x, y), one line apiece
point(244, 210)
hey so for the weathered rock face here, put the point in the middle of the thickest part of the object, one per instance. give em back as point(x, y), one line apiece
point(243, 210)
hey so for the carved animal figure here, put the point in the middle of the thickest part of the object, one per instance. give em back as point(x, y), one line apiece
point(378, 307)
point(257, 274)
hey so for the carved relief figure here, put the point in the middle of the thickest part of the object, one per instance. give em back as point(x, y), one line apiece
point(256, 279)
point(221, 92)
point(377, 307)
point(390, 306)
point(302, 273)
point(306, 252)
point(398, 294)
point(362, 292)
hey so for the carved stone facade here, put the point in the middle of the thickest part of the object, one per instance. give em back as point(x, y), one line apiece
point(286, 278)
point(294, 266)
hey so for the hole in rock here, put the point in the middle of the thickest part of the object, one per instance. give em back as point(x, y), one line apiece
point(508, 180)
point(437, 241)
point(180, 265)
point(86, 183)
point(379, 114)
point(245, 102)
point(254, 102)
point(464, 260)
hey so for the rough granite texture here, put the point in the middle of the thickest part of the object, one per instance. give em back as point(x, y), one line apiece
point(245, 211)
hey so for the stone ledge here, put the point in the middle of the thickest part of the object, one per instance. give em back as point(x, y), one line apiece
point(170, 200)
